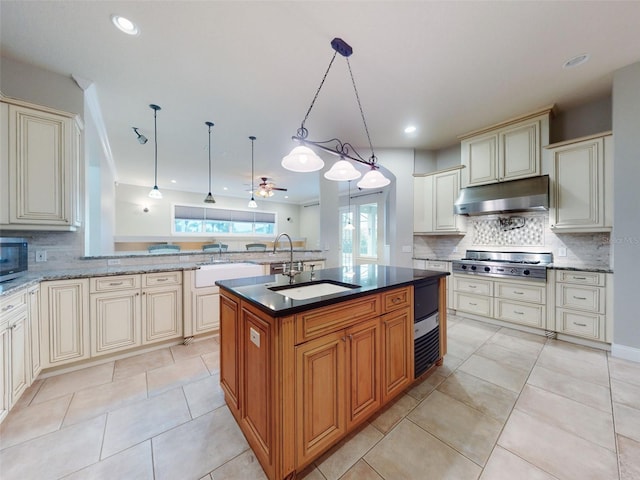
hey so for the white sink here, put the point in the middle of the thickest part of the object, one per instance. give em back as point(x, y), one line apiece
point(207, 275)
point(319, 289)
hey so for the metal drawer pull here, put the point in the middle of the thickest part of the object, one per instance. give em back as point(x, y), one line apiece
point(473, 286)
point(579, 298)
point(580, 324)
point(162, 279)
point(518, 313)
point(518, 293)
point(8, 307)
point(579, 278)
point(115, 284)
point(473, 304)
point(396, 300)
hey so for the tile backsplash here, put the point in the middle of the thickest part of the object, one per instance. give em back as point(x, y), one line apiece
point(487, 232)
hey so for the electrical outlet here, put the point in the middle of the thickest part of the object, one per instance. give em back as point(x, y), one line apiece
point(254, 336)
point(41, 255)
point(562, 251)
point(113, 261)
point(455, 249)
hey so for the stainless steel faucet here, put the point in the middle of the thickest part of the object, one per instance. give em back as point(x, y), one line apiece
point(291, 273)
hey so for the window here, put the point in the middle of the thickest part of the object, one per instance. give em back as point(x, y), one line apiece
point(220, 221)
point(360, 245)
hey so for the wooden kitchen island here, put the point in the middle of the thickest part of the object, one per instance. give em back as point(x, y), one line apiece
point(298, 375)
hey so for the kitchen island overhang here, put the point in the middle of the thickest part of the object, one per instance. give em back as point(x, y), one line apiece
point(299, 374)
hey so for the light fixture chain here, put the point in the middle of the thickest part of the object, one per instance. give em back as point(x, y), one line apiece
point(155, 141)
point(318, 91)
point(366, 129)
point(209, 158)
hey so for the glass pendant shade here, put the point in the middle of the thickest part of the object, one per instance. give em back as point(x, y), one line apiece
point(373, 179)
point(252, 203)
point(349, 227)
point(302, 159)
point(263, 192)
point(209, 199)
point(155, 192)
point(342, 170)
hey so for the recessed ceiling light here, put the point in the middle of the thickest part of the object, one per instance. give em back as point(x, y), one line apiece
point(410, 129)
point(225, 188)
point(577, 60)
point(125, 25)
point(173, 181)
point(286, 196)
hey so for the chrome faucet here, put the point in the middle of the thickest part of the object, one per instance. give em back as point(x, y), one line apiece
point(291, 273)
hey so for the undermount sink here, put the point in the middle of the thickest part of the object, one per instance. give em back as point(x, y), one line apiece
point(207, 275)
point(305, 291)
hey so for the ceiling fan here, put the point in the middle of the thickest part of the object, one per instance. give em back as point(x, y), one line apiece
point(266, 188)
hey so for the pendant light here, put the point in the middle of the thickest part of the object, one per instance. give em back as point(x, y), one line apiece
point(349, 226)
point(209, 198)
point(155, 192)
point(252, 202)
point(304, 159)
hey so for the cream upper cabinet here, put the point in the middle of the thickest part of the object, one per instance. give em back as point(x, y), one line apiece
point(40, 167)
point(581, 176)
point(506, 151)
point(434, 196)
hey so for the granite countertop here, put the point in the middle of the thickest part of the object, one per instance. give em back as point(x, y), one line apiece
point(582, 268)
point(368, 278)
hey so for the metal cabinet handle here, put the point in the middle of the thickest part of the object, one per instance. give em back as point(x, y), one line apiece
point(115, 284)
point(579, 278)
point(396, 300)
point(579, 298)
point(518, 313)
point(162, 279)
point(351, 338)
point(580, 324)
point(473, 304)
point(8, 307)
point(515, 292)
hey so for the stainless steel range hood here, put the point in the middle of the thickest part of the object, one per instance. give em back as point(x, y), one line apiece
point(514, 196)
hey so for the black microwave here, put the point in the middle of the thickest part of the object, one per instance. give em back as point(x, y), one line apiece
point(14, 254)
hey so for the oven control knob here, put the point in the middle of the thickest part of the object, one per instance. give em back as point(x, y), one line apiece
point(526, 272)
point(487, 269)
point(473, 267)
point(464, 267)
point(514, 271)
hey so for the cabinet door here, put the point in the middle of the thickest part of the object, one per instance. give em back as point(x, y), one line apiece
point(577, 184)
point(519, 154)
point(65, 321)
point(446, 187)
point(363, 368)
point(115, 321)
point(423, 204)
point(161, 314)
point(320, 395)
point(5, 386)
point(40, 176)
point(230, 331)
point(20, 351)
point(480, 157)
point(397, 353)
point(206, 309)
point(34, 332)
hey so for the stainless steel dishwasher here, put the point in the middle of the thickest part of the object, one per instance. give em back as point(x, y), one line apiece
point(426, 327)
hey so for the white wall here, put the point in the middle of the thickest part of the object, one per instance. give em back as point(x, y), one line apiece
point(626, 233)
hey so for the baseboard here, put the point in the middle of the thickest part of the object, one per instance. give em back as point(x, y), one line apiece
point(624, 352)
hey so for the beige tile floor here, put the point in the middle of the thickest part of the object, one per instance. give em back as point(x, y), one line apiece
point(505, 405)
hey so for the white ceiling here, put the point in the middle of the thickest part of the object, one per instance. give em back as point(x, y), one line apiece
point(252, 68)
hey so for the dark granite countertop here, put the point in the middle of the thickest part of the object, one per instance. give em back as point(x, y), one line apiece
point(368, 278)
point(582, 268)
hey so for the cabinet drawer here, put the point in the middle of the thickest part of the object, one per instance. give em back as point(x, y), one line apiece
point(522, 293)
point(117, 282)
point(471, 285)
point(583, 278)
point(320, 321)
point(13, 303)
point(587, 298)
point(161, 278)
point(398, 298)
point(474, 304)
point(438, 266)
point(518, 312)
point(581, 324)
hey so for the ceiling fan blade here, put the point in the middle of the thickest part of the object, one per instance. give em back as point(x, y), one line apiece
point(281, 189)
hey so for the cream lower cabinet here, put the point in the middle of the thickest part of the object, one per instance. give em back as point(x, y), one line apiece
point(201, 307)
point(583, 304)
point(473, 295)
point(33, 300)
point(116, 316)
point(16, 346)
point(161, 306)
point(581, 190)
point(64, 316)
point(40, 167)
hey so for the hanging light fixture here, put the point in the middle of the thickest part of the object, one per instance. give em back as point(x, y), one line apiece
point(155, 192)
point(349, 226)
point(209, 198)
point(252, 202)
point(304, 159)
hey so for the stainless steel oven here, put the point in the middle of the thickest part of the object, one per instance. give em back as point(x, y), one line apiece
point(14, 255)
point(516, 265)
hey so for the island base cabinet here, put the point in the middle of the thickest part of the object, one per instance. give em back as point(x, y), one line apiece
point(320, 395)
point(230, 353)
point(397, 374)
